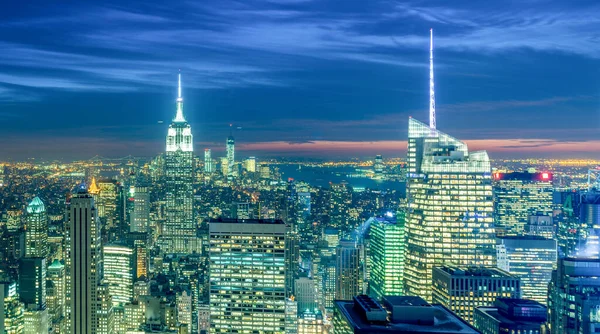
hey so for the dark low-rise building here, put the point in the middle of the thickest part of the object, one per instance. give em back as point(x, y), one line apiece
point(396, 314)
point(509, 316)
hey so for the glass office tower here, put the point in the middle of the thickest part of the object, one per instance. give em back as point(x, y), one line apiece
point(517, 197)
point(450, 206)
point(387, 241)
point(247, 276)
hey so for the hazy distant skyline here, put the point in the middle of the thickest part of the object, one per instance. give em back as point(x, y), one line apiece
point(299, 77)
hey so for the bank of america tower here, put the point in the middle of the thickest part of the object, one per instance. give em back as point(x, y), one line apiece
point(178, 230)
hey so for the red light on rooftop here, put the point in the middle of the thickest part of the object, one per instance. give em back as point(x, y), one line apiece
point(545, 176)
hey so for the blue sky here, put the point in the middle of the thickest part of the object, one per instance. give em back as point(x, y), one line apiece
point(298, 77)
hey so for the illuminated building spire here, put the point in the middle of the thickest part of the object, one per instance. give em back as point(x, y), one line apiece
point(179, 116)
point(431, 90)
point(93, 189)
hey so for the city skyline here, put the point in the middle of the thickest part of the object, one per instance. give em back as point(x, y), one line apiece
point(317, 80)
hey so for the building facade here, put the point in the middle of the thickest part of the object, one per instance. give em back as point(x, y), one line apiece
point(348, 274)
point(119, 272)
point(82, 263)
point(230, 148)
point(463, 289)
point(247, 276)
point(532, 259)
point(574, 297)
point(450, 207)
point(36, 233)
point(387, 240)
point(140, 221)
point(179, 227)
point(511, 316)
point(519, 195)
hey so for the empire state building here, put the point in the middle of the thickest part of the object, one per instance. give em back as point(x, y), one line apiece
point(179, 229)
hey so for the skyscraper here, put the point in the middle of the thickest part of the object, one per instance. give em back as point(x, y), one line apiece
point(378, 165)
point(141, 210)
point(450, 206)
point(387, 247)
point(574, 297)
point(179, 174)
point(32, 292)
point(83, 263)
point(339, 204)
point(247, 276)
point(517, 197)
point(348, 278)
point(11, 317)
point(530, 258)
point(230, 156)
point(56, 292)
point(36, 234)
point(119, 272)
point(250, 165)
point(208, 162)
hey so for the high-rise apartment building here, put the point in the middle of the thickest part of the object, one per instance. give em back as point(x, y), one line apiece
point(348, 274)
point(450, 207)
point(179, 227)
point(574, 297)
point(119, 272)
point(386, 252)
point(82, 263)
point(36, 233)
point(463, 289)
point(140, 221)
point(247, 276)
point(519, 195)
point(530, 258)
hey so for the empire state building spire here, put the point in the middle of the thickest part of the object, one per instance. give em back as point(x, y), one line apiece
point(179, 116)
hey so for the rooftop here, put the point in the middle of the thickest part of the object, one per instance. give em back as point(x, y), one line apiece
point(475, 271)
point(246, 221)
point(36, 206)
point(445, 322)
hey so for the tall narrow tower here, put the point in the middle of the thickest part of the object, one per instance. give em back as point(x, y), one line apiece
point(36, 235)
point(431, 86)
point(230, 153)
point(83, 263)
point(179, 173)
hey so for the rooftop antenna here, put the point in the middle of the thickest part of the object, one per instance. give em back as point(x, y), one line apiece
point(179, 86)
point(431, 87)
point(179, 115)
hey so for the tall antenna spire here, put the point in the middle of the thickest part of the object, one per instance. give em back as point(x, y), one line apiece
point(431, 87)
point(179, 116)
point(179, 86)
